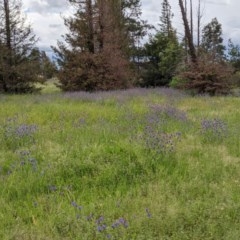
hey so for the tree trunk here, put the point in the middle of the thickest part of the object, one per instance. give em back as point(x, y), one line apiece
point(101, 24)
point(191, 18)
point(7, 24)
point(90, 40)
point(191, 46)
point(199, 17)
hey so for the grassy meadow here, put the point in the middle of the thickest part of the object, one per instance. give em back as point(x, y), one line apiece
point(137, 164)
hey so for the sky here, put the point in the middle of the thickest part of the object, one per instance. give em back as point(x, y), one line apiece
point(45, 17)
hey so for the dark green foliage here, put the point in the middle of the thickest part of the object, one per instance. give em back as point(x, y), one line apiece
point(17, 70)
point(234, 55)
point(45, 68)
point(162, 52)
point(150, 72)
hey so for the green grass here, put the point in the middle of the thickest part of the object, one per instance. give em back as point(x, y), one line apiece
point(68, 159)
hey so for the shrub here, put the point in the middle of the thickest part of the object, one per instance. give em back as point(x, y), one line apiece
point(207, 76)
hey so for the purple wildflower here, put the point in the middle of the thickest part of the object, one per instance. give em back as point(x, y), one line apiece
point(25, 130)
point(214, 128)
point(149, 215)
point(52, 188)
point(74, 204)
point(120, 222)
point(100, 220)
point(101, 228)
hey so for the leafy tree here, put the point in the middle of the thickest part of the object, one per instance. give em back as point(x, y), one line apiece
point(17, 72)
point(207, 72)
point(212, 41)
point(211, 73)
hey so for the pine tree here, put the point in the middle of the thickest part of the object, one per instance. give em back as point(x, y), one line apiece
point(17, 73)
point(48, 67)
point(44, 67)
point(234, 55)
point(94, 57)
point(135, 28)
point(163, 51)
point(166, 19)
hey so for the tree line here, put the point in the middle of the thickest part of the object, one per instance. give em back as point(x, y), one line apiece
point(104, 50)
point(22, 64)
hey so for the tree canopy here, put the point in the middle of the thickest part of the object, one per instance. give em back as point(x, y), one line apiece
point(106, 48)
point(17, 73)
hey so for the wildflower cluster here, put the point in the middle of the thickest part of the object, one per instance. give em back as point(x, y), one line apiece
point(27, 160)
point(159, 141)
point(101, 226)
point(155, 135)
point(120, 222)
point(15, 134)
point(213, 129)
point(75, 205)
point(169, 112)
point(24, 130)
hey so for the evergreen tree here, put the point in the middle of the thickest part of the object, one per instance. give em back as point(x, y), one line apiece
point(94, 57)
point(17, 72)
point(135, 27)
point(48, 67)
point(234, 55)
point(166, 19)
point(163, 51)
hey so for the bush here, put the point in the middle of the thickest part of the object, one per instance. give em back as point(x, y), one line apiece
point(206, 76)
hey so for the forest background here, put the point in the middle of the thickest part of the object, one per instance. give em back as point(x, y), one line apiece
point(104, 50)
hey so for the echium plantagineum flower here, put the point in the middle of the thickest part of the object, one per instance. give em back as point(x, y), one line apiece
point(25, 130)
point(214, 127)
point(159, 141)
point(74, 204)
point(166, 111)
point(120, 222)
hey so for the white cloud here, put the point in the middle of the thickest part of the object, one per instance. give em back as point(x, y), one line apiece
point(45, 16)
